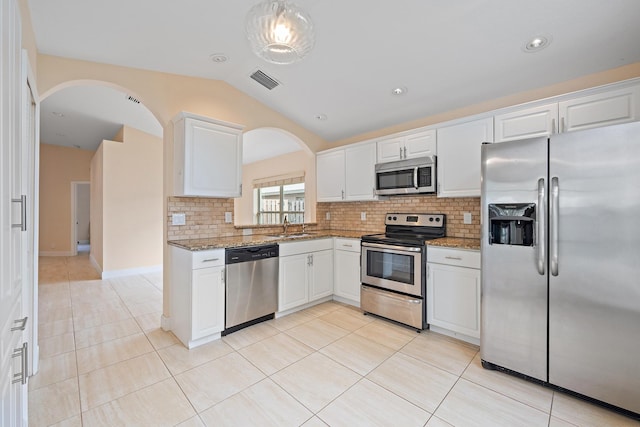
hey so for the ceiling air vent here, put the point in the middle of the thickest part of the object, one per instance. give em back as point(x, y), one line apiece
point(132, 99)
point(264, 79)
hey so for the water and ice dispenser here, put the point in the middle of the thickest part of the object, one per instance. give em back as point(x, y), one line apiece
point(512, 224)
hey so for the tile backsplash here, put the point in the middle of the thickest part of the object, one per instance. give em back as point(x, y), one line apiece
point(205, 217)
point(348, 215)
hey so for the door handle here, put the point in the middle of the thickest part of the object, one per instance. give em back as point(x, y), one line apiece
point(554, 229)
point(405, 152)
point(22, 353)
point(541, 227)
point(22, 225)
point(22, 322)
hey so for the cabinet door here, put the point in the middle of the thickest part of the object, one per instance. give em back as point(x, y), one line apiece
point(320, 274)
point(529, 123)
point(347, 275)
point(360, 162)
point(212, 160)
point(207, 302)
point(330, 176)
point(459, 157)
point(453, 298)
point(618, 106)
point(420, 144)
point(293, 288)
point(390, 149)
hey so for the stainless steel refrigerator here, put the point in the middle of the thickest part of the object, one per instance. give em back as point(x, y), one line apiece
point(561, 261)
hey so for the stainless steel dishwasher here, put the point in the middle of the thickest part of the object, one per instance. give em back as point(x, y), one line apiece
point(251, 285)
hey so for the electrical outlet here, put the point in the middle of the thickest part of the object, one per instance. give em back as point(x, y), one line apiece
point(363, 216)
point(228, 217)
point(466, 217)
point(178, 219)
point(327, 216)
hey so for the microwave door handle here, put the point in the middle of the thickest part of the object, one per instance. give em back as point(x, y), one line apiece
point(415, 177)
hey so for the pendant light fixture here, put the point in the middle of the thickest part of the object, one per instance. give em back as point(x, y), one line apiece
point(279, 32)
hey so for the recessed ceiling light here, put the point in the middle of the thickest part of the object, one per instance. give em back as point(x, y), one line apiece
point(321, 117)
point(55, 113)
point(401, 90)
point(537, 43)
point(218, 57)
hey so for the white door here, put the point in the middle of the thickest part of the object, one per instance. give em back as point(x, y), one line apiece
point(12, 409)
point(330, 176)
point(360, 162)
point(321, 274)
point(293, 288)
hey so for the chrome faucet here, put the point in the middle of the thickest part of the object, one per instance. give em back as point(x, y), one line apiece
point(285, 224)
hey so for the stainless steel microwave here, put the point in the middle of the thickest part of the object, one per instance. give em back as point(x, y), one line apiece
point(411, 176)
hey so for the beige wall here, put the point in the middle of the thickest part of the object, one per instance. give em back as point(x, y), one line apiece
point(291, 162)
point(132, 202)
point(59, 166)
point(96, 207)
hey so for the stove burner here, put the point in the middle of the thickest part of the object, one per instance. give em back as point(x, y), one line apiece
point(409, 229)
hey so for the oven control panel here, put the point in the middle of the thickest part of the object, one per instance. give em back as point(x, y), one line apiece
point(411, 219)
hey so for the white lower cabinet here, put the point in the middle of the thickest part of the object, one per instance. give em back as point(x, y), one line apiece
point(306, 272)
point(197, 295)
point(347, 270)
point(453, 292)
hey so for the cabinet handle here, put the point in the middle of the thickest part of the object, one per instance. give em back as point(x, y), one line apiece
point(240, 188)
point(23, 213)
point(222, 275)
point(562, 125)
point(342, 194)
point(400, 152)
point(22, 353)
point(347, 246)
point(210, 259)
point(22, 322)
point(457, 258)
point(405, 152)
point(553, 126)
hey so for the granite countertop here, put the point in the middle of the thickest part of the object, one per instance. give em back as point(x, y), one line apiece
point(259, 239)
point(456, 242)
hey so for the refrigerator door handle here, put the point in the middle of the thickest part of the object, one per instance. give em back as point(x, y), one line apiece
point(553, 229)
point(541, 226)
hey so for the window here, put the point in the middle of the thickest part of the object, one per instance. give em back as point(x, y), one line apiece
point(276, 198)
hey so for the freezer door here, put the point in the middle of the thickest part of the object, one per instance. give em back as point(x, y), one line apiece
point(594, 305)
point(514, 282)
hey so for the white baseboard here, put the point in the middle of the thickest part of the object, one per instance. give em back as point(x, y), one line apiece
point(132, 271)
point(346, 301)
point(165, 323)
point(457, 335)
point(56, 253)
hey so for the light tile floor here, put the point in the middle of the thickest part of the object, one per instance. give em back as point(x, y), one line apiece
point(106, 362)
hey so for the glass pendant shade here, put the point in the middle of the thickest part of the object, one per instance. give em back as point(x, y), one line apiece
point(279, 32)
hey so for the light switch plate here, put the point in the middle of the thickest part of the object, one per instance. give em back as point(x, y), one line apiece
point(363, 216)
point(466, 217)
point(327, 216)
point(228, 217)
point(178, 219)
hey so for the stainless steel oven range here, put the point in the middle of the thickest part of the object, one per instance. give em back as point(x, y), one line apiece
point(393, 273)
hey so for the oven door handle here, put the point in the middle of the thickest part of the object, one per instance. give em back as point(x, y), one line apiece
point(391, 247)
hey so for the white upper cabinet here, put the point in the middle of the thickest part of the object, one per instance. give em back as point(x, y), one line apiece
point(330, 172)
point(418, 144)
point(346, 174)
point(459, 157)
point(528, 123)
point(360, 162)
point(603, 109)
point(207, 157)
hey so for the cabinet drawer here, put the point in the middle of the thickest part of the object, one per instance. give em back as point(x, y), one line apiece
point(458, 257)
point(294, 248)
point(351, 245)
point(209, 258)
